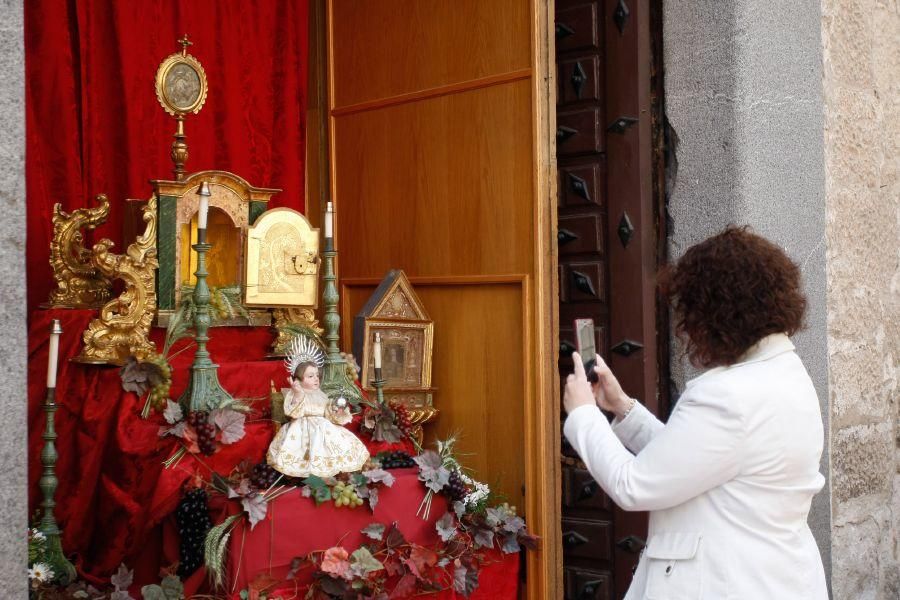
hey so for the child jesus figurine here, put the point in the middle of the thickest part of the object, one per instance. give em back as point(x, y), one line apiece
point(314, 442)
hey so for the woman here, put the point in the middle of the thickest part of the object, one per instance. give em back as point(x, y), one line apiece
point(728, 480)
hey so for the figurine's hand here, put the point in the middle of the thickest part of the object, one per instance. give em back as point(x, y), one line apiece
point(607, 391)
point(295, 384)
point(578, 390)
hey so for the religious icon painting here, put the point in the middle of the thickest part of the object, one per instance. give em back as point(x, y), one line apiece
point(407, 336)
point(181, 84)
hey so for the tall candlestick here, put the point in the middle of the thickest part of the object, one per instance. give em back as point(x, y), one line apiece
point(63, 571)
point(377, 350)
point(55, 330)
point(329, 221)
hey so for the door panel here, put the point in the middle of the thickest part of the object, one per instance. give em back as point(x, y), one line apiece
point(607, 254)
point(441, 125)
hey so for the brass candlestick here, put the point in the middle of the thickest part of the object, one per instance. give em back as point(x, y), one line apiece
point(63, 570)
point(336, 380)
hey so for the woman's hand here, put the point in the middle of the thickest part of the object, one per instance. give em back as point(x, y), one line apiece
point(607, 391)
point(578, 390)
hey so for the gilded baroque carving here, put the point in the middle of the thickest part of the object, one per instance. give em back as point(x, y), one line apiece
point(79, 284)
point(288, 317)
point(123, 325)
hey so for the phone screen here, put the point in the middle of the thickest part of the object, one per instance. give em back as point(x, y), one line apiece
point(586, 343)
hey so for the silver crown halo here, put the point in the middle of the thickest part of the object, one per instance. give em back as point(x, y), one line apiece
point(303, 349)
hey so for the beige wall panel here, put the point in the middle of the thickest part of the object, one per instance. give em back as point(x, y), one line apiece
point(437, 187)
point(478, 370)
point(399, 46)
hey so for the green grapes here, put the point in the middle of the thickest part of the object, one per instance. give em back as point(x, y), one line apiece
point(345, 494)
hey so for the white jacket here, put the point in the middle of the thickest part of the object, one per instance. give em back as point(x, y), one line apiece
point(728, 481)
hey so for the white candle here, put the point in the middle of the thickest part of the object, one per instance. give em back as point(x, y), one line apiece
point(377, 350)
point(55, 330)
point(329, 221)
point(203, 212)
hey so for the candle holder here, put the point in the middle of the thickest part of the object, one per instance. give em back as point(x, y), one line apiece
point(203, 393)
point(378, 383)
point(63, 570)
point(336, 380)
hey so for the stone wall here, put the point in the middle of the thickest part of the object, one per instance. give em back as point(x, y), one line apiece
point(743, 94)
point(861, 41)
point(13, 449)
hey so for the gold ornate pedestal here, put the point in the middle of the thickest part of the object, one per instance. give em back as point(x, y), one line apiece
point(79, 283)
point(122, 327)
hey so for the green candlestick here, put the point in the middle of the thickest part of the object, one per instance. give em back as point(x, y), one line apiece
point(63, 571)
point(379, 385)
point(203, 393)
point(336, 380)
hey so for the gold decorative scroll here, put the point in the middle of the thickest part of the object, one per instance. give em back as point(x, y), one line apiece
point(293, 317)
point(122, 327)
point(79, 284)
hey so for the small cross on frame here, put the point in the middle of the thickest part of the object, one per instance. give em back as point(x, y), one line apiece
point(185, 42)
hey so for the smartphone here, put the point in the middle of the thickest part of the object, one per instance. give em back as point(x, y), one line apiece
point(586, 344)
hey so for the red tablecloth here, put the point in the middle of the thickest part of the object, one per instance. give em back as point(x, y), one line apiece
point(114, 496)
point(294, 526)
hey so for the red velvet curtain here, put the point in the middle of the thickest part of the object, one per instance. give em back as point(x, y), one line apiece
point(94, 124)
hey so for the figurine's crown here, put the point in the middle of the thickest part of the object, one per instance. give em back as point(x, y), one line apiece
point(303, 349)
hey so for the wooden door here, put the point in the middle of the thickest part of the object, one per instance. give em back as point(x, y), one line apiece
point(608, 251)
point(441, 130)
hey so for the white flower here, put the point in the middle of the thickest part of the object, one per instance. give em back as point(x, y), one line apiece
point(39, 536)
point(479, 494)
point(40, 572)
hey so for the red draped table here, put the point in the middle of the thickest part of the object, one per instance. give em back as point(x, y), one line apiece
point(115, 498)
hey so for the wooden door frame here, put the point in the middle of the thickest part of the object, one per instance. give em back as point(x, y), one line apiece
point(542, 422)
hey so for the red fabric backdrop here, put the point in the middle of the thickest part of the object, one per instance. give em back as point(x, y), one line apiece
point(94, 124)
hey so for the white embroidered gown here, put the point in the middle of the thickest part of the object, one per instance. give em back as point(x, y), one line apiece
point(315, 441)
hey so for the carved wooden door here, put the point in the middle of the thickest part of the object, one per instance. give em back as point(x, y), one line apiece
point(608, 250)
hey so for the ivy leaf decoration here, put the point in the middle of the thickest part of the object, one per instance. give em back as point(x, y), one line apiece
point(122, 579)
point(135, 376)
point(386, 430)
point(510, 544)
point(373, 498)
point(255, 507)
point(394, 538)
point(446, 527)
point(318, 489)
point(172, 587)
point(379, 476)
point(495, 516)
point(432, 471)
point(178, 430)
point(375, 531)
point(513, 524)
point(362, 562)
point(465, 578)
point(152, 592)
point(230, 422)
point(484, 538)
point(173, 413)
point(420, 560)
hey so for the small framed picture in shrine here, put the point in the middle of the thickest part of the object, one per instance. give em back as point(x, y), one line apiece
point(405, 354)
point(407, 338)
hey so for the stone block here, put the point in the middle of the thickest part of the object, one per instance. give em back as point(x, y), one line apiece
point(862, 461)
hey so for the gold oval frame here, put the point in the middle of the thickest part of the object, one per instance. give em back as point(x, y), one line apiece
point(167, 65)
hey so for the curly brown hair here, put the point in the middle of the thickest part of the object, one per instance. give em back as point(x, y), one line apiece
point(729, 292)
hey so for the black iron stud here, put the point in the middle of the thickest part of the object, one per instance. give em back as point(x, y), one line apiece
point(588, 590)
point(578, 78)
point(631, 543)
point(563, 31)
point(620, 16)
point(564, 236)
point(566, 348)
point(588, 490)
point(583, 283)
point(563, 133)
point(621, 124)
point(579, 186)
point(625, 229)
point(573, 539)
point(626, 347)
